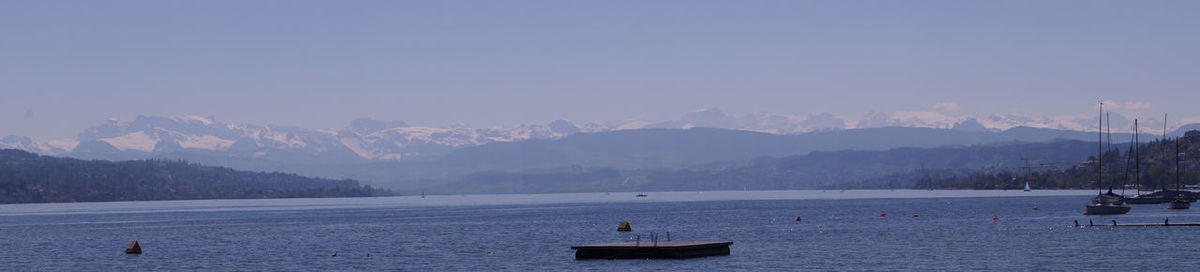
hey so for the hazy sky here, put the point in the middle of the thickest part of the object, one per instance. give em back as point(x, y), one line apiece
point(68, 65)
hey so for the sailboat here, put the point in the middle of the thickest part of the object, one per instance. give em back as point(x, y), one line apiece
point(1104, 203)
point(1027, 170)
point(1135, 151)
point(1180, 202)
point(1163, 195)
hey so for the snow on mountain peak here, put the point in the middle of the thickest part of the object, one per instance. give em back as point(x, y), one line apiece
point(207, 121)
point(139, 140)
point(50, 147)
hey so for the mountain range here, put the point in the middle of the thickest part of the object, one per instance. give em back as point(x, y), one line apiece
point(694, 148)
point(369, 140)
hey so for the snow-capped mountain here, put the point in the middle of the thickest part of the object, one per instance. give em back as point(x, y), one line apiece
point(796, 124)
point(372, 140)
point(760, 122)
point(46, 147)
point(363, 139)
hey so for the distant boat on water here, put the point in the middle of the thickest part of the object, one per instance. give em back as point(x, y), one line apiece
point(1180, 203)
point(641, 195)
point(1028, 169)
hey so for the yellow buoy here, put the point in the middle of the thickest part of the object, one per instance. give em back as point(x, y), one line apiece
point(624, 226)
point(133, 248)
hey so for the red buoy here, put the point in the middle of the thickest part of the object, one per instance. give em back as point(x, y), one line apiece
point(995, 218)
point(882, 214)
point(1035, 208)
point(914, 215)
point(797, 219)
point(1084, 213)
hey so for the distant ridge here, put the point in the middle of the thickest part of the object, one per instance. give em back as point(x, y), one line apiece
point(894, 169)
point(650, 148)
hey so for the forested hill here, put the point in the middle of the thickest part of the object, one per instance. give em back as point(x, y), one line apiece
point(1156, 170)
point(30, 178)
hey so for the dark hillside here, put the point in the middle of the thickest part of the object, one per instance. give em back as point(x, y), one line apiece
point(30, 178)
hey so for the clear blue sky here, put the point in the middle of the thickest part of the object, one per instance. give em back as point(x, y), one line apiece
point(66, 65)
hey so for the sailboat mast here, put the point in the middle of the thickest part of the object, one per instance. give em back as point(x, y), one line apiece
point(1108, 126)
point(1100, 151)
point(1164, 127)
point(1129, 159)
point(1137, 158)
point(1177, 186)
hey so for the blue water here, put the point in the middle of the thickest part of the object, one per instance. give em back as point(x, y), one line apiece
point(841, 230)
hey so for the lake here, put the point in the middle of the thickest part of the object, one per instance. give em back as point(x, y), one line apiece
point(840, 230)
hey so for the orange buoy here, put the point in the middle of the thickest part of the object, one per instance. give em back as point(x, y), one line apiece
point(797, 219)
point(882, 214)
point(914, 215)
point(995, 218)
point(1035, 208)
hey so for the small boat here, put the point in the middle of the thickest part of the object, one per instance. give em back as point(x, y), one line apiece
point(641, 195)
point(1026, 186)
point(1179, 204)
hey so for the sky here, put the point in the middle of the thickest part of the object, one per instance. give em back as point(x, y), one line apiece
point(68, 65)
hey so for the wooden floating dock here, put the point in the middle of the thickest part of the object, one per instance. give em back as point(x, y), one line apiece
point(652, 250)
point(1159, 225)
point(1165, 223)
